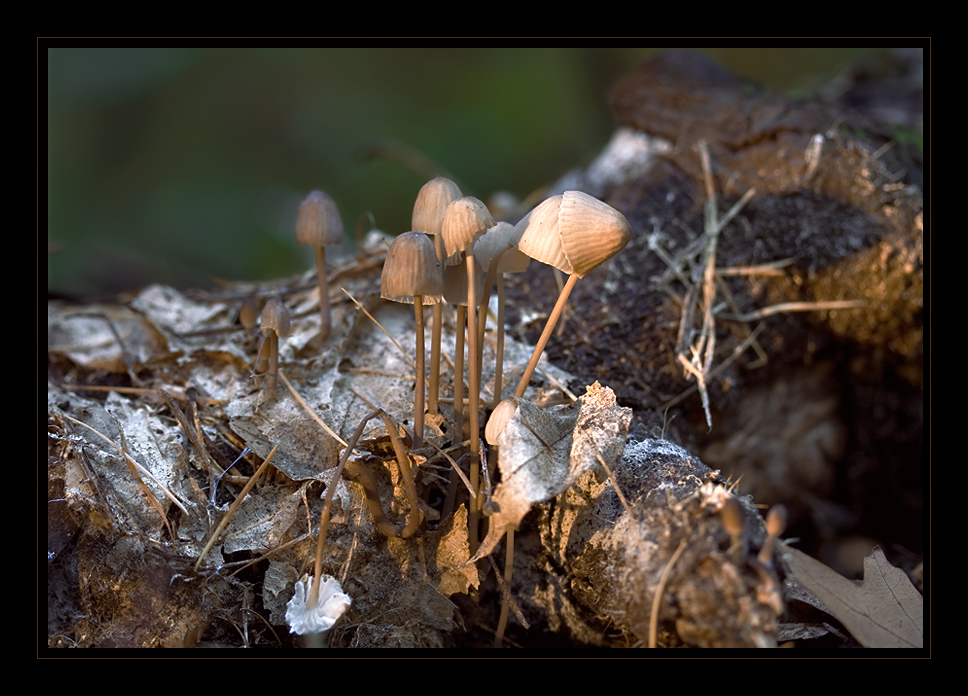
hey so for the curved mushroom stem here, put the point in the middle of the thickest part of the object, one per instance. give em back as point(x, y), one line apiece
point(324, 312)
point(545, 335)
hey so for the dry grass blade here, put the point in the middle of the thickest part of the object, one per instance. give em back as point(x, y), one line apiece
point(370, 316)
point(235, 506)
point(134, 466)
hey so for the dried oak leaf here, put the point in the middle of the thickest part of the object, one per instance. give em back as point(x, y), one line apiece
point(885, 611)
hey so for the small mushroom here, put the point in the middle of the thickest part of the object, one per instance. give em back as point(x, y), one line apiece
point(465, 220)
point(428, 217)
point(411, 274)
point(575, 233)
point(319, 225)
point(275, 325)
point(776, 521)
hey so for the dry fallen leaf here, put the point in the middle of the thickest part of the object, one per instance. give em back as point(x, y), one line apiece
point(885, 611)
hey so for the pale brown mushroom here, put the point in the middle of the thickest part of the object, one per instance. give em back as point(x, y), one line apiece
point(275, 325)
point(428, 217)
point(411, 274)
point(319, 225)
point(465, 220)
point(575, 233)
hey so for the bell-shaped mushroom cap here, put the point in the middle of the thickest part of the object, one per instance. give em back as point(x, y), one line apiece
point(411, 269)
point(431, 203)
point(573, 232)
point(464, 221)
point(275, 317)
point(455, 283)
point(495, 240)
point(318, 222)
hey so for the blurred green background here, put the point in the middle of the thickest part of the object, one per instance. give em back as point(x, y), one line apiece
point(184, 165)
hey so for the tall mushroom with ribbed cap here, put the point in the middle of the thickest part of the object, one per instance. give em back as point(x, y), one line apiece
point(428, 217)
point(319, 225)
point(275, 325)
point(575, 233)
point(465, 220)
point(411, 274)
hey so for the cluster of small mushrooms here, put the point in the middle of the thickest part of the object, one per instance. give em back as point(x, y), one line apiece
point(455, 253)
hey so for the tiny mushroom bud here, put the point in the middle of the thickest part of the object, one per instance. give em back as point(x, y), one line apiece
point(319, 225)
point(575, 233)
point(428, 217)
point(275, 325)
point(734, 520)
point(411, 274)
point(776, 520)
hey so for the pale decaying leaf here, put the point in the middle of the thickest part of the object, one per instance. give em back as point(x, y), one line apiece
point(885, 611)
point(543, 452)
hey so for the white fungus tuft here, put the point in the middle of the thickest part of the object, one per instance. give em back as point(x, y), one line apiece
point(331, 605)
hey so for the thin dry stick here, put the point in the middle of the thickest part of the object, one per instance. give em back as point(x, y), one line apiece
point(784, 307)
point(134, 466)
point(308, 410)
point(506, 604)
point(370, 316)
point(660, 588)
point(737, 351)
point(235, 506)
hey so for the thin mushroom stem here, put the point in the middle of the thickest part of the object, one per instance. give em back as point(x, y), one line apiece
point(273, 361)
point(313, 598)
point(459, 374)
point(438, 313)
point(324, 310)
point(473, 386)
point(418, 403)
point(499, 347)
point(546, 334)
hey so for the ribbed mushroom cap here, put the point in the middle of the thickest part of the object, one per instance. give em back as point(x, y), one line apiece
point(464, 221)
point(275, 317)
point(496, 240)
point(318, 222)
point(573, 232)
point(411, 268)
point(431, 203)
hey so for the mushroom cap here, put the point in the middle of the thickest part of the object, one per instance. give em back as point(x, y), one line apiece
point(500, 416)
point(318, 222)
point(573, 232)
point(411, 269)
point(455, 283)
point(493, 242)
point(275, 317)
point(464, 221)
point(431, 203)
